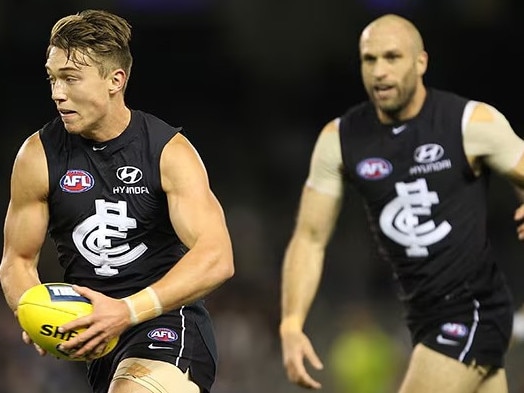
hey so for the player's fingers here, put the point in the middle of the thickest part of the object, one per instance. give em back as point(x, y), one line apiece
point(98, 351)
point(310, 383)
point(84, 291)
point(26, 338)
point(520, 232)
point(297, 347)
point(306, 380)
point(78, 348)
point(519, 213)
point(298, 374)
point(82, 322)
point(313, 358)
point(519, 216)
point(39, 349)
point(76, 344)
point(86, 343)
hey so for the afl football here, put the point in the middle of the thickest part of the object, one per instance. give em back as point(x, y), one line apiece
point(43, 308)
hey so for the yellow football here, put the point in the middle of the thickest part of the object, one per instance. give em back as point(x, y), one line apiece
point(43, 308)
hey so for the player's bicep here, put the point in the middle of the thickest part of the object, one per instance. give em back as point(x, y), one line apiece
point(325, 171)
point(321, 197)
point(27, 214)
point(195, 212)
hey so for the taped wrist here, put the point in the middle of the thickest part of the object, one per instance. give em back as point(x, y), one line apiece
point(143, 305)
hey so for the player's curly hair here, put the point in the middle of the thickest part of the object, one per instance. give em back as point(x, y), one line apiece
point(99, 35)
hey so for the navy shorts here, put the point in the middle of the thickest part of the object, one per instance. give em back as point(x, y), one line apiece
point(474, 328)
point(182, 337)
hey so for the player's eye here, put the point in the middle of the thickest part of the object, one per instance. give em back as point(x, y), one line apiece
point(392, 57)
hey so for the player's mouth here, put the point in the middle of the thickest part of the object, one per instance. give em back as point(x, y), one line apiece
point(383, 92)
point(66, 113)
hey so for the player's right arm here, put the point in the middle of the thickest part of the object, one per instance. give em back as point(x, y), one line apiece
point(304, 257)
point(26, 221)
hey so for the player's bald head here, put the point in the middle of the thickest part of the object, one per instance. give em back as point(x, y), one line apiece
point(394, 26)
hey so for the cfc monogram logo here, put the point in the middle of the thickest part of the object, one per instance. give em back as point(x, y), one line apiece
point(400, 222)
point(94, 238)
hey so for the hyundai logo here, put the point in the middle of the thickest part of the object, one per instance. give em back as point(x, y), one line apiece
point(427, 153)
point(129, 174)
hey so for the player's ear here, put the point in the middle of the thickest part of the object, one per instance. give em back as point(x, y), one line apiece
point(117, 81)
point(422, 63)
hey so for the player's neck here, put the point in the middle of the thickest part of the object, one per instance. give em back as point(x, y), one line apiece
point(111, 126)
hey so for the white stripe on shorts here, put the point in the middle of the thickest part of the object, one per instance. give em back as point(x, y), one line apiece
point(472, 330)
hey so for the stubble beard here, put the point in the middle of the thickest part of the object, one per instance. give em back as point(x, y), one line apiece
point(394, 107)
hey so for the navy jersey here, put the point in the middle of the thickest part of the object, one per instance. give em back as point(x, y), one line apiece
point(108, 213)
point(109, 219)
point(426, 207)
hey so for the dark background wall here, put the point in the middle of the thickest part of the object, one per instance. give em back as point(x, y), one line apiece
point(252, 82)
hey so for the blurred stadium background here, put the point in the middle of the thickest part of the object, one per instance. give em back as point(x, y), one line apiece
point(253, 82)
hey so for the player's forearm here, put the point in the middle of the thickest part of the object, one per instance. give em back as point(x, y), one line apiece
point(301, 275)
point(15, 279)
point(194, 276)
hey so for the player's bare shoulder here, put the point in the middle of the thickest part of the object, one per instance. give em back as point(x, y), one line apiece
point(328, 142)
point(489, 137)
point(332, 126)
point(179, 148)
point(482, 112)
point(30, 166)
point(325, 173)
point(180, 164)
point(31, 150)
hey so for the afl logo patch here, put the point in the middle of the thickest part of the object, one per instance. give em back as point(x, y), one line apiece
point(163, 334)
point(374, 168)
point(458, 330)
point(76, 180)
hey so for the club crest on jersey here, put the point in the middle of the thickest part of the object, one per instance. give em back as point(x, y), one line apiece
point(77, 180)
point(374, 168)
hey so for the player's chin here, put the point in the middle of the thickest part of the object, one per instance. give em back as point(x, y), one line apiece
point(73, 125)
point(71, 129)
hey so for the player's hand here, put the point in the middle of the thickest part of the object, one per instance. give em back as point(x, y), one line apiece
point(295, 348)
point(110, 317)
point(27, 340)
point(519, 217)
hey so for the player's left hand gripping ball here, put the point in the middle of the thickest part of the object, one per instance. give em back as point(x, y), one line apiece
point(43, 308)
